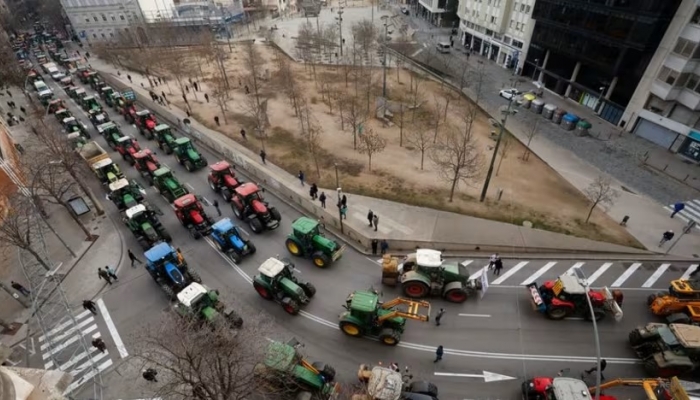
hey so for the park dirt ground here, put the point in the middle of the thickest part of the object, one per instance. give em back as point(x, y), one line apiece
point(532, 191)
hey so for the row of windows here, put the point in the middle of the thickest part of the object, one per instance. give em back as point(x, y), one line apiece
point(522, 7)
point(674, 78)
point(112, 17)
point(687, 48)
point(518, 26)
point(506, 39)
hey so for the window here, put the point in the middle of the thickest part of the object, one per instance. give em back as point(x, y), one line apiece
point(683, 79)
point(94, 35)
point(696, 16)
point(87, 20)
point(517, 44)
point(111, 34)
point(113, 18)
point(522, 7)
point(506, 39)
point(95, 18)
point(517, 26)
point(103, 36)
point(511, 23)
point(684, 47)
point(527, 9)
point(493, 19)
point(668, 75)
point(121, 17)
point(692, 82)
point(104, 17)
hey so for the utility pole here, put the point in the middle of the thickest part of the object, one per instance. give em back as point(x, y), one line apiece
point(340, 28)
point(386, 32)
point(495, 150)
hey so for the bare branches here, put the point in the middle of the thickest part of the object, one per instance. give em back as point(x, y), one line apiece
point(370, 143)
point(503, 149)
point(221, 92)
point(290, 86)
point(354, 114)
point(418, 136)
point(365, 35)
point(178, 64)
point(600, 192)
point(255, 102)
point(456, 157)
point(311, 131)
point(532, 131)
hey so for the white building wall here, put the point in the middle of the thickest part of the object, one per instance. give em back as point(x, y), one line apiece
point(499, 29)
point(96, 20)
point(154, 10)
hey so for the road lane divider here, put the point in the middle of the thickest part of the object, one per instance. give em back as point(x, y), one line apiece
point(475, 315)
point(116, 338)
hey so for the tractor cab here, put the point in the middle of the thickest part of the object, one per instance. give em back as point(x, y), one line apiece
point(120, 192)
point(106, 92)
point(45, 96)
point(55, 105)
point(80, 94)
point(66, 82)
point(107, 171)
point(251, 196)
point(110, 131)
point(90, 103)
point(187, 155)
point(192, 215)
point(422, 259)
point(280, 276)
point(307, 240)
point(99, 118)
point(62, 114)
point(71, 125)
point(567, 297)
point(559, 388)
point(222, 178)
point(127, 146)
point(112, 98)
point(228, 235)
point(146, 161)
point(145, 119)
point(383, 383)
point(76, 140)
point(162, 258)
point(98, 84)
point(195, 297)
point(90, 77)
point(685, 289)
point(71, 91)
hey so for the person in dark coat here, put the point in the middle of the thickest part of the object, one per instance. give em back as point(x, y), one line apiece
point(370, 217)
point(375, 244)
point(497, 266)
point(322, 199)
point(438, 353)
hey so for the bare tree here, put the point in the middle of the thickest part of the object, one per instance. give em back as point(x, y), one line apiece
point(11, 73)
point(370, 143)
point(355, 115)
point(178, 64)
point(600, 192)
point(503, 150)
point(532, 131)
point(256, 102)
point(456, 157)
point(221, 92)
point(416, 96)
point(401, 121)
point(477, 76)
point(440, 108)
point(419, 137)
point(290, 86)
point(468, 112)
point(311, 131)
point(307, 46)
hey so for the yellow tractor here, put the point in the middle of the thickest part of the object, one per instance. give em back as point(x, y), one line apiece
point(654, 389)
point(680, 305)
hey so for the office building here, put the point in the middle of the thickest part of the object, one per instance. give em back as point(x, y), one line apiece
point(96, 20)
point(441, 13)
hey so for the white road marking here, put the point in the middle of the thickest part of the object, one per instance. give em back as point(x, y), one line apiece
point(71, 331)
point(600, 271)
point(88, 376)
point(689, 271)
point(626, 275)
point(510, 272)
point(112, 329)
point(466, 262)
point(63, 325)
point(68, 342)
point(475, 315)
point(478, 273)
point(532, 278)
point(571, 270)
point(485, 375)
point(656, 275)
point(243, 230)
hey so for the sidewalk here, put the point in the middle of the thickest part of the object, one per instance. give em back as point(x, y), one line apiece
point(404, 227)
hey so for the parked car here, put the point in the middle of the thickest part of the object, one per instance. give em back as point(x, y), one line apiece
point(509, 93)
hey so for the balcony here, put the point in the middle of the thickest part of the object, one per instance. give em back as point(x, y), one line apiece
point(664, 91)
point(689, 99)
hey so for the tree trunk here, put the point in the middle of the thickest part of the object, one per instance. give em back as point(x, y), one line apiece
point(370, 162)
point(591, 211)
point(498, 168)
point(401, 124)
point(422, 156)
point(455, 178)
point(86, 231)
point(38, 258)
point(223, 113)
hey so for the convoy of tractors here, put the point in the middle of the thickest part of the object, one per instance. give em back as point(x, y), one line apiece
point(665, 349)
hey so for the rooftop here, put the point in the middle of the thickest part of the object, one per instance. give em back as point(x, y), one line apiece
point(191, 293)
point(271, 267)
point(139, 208)
point(121, 183)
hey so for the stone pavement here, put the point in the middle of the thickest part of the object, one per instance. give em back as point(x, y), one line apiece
point(405, 227)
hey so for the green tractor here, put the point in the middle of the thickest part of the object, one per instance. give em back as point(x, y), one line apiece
point(111, 99)
point(144, 224)
point(125, 194)
point(285, 368)
point(306, 240)
point(111, 132)
point(186, 154)
point(90, 103)
point(366, 315)
point(196, 301)
point(424, 273)
point(277, 282)
point(165, 138)
point(167, 185)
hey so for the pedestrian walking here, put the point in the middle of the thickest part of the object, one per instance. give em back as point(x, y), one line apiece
point(492, 260)
point(20, 288)
point(262, 156)
point(322, 199)
point(99, 344)
point(87, 55)
point(206, 97)
point(185, 98)
point(90, 306)
point(603, 364)
point(13, 105)
point(243, 134)
point(102, 274)
point(370, 217)
point(129, 78)
point(375, 244)
point(438, 317)
point(375, 221)
point(313, 191)
point(149, 374)
point(160, 80)
point(216, 119)
point(438, 354)
point(133, 258)
point(163, 94)
point(383, 246)
point(498, 266)
point(301, 177)
point(668, 235)
point(161, 100)
point(343, 211)
point(678, 207)
point(112, 273)
point(180, 257)
point(8, 93)
point(247, 91)
point(344, 200)
point(196, 86)
point(23, 110)
point(216, 206)
point(187, 89)
point(9, 104)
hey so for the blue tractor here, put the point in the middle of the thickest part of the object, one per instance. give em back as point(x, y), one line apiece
point(169, 271)
point(228, 239)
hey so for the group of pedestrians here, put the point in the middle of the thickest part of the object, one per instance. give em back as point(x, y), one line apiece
point(496, 264)
point(373, 220)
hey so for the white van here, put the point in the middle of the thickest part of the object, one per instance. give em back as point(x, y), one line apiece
point(40, 86)
point(443, 47)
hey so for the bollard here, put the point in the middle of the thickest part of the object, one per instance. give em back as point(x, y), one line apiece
point(624, 220)
point(665, 167)
point(500, 194)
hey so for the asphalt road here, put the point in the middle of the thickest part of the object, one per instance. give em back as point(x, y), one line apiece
point(499, 333)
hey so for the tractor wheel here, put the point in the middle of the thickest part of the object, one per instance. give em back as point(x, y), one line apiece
point(148, 134)
point(557, 313)
point(275, 214)
point(293, 247)
point(189, 166)
point(598, 313)
point(650, 299)
point(149, 180)
point(235, 257)
point(290, 306)
point(325, 370)
point(350, 329)
point(456, 296)
point(308, 288)
point(262, 291)
point(143, 243)
point(389, 337)
point(237, 211)
point(415, 289)
point(251, 247)
point(194, 276)
point(204, 161)
point(166, 236)
point(234, 319)
point(226, 194)
point(635, 338)
point(320, 260)
point(255, 225)
point(168, 291)
point(167, 149)
point(652, 368)
point(213, 186)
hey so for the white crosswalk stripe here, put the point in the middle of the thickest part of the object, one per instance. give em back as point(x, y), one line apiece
point(71, 357)
point(510, 272)
point(538, 273)
point(692, 268)
point(631, 270)
point(600, 271)
point(656, 275)
point(690, 212)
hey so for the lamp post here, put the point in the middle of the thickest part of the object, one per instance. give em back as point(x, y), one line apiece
point(599, 105)
point(386, 33)
point(506, 113)
point(340, 28)
point(581, 276)
point(537, 65)
point(339, 191)
point(337, 181)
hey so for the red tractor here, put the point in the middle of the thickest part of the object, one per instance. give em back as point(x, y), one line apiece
point(248, 205)
point(127, 147)
point(192, 216)
point(128, 110)
point(559, 388)
point(146, 163)
point(55, 105)
point(146, 122)
point(222, 179)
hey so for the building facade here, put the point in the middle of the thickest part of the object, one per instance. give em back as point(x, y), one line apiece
point(96, 20)
point(665, 108)
point(441, 13)
point(497, 29)
point(11, 178)
point(595, 52)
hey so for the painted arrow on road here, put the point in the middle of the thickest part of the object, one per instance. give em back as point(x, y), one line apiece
point(486, 376)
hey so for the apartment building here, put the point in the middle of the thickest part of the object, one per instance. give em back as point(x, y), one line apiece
point(96, 20)
point(497, 29)
point(441, 13)
point(665, 107)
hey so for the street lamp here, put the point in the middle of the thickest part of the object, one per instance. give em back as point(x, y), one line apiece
point(339, 192)
point(340, 28)
point(581, 276)
point(537, 65)
point(505, 113)
point(386, 33)
point(600, 97)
